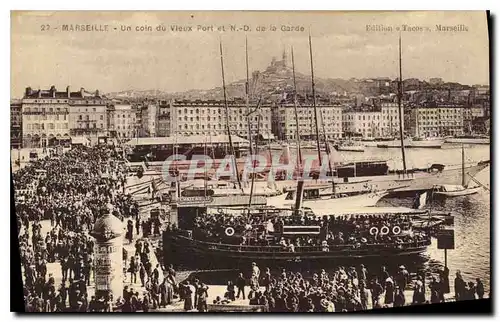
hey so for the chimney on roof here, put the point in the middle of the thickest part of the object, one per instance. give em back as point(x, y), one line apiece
point(28, 91)
point(39, 93)
point(81, 91)
point(97, 93)
point(53, 91)
point(68, 92)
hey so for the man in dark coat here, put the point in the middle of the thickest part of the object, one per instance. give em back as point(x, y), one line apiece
point(479, 288)
point(240, 285)
point(145, 302)
point(459, 287)
point(155, 295)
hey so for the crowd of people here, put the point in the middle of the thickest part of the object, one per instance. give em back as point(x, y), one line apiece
point(345, 289)
point(70, 190)
point(326, 232)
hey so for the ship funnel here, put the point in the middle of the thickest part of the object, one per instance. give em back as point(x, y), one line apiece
point(299, 196)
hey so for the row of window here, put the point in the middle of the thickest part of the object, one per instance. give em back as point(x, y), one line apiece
point(441, 117)
point(370, 117)
point(44, 117)
point(46, 126)
point(241, 118)
point(435, 111)
point(329, 136)
point(219, 126)
point(441, 123)
point(89, 126)
point(80, 117)
point(219, 111)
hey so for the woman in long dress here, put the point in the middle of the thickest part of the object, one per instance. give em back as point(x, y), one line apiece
point(389, 291)
point(169, 291)
point(188, 296)
point(163, 293)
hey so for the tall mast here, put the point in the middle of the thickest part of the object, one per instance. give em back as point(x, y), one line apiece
point(327, 150)
point(463, 166)
point(247, 95)
point(314, 103)
point(401, 114)
point(297, 125)
point(253, 162)
point(227, 118)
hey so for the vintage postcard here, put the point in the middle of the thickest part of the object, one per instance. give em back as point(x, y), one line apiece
point(251, 161)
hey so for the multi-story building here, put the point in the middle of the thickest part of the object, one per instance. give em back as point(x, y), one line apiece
point(209, 118)
point(122, 118)
point(51, 117)
point(163, 127)
point(148, 117)
point(389, 119)
point(437, 120)
point(16, 124)
point(45, 117)
point(87, 115)
point(285, 125)
point(365, 123)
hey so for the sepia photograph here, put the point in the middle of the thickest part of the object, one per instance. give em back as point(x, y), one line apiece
point(251, 161)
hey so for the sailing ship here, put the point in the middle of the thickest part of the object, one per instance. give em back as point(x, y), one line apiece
point(464, 189)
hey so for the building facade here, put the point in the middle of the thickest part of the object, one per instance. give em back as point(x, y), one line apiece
point(209, 118)
point(148, 117)
point(51, 117)
point(329, 121)
point(389, 119)
point(45, 117)
point(87, 115)
point(163, 127)
point(123, 122)
point(361, 123)
point(439, 120)
point(16, 125)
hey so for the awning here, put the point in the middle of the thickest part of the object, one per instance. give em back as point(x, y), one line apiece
point(267, 136)
point(79, 140)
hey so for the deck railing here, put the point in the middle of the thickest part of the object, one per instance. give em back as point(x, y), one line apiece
point(305, 249)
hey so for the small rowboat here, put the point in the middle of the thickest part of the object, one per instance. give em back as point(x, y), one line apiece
point(454, 190)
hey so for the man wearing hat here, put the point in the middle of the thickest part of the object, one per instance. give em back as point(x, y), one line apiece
point(145, 301)
point(363, 273)
point(240, 285)
point(402, 278)
point(255, 270)
point(459, 287)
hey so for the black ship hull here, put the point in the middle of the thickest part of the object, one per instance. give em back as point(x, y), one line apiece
point(181, 249)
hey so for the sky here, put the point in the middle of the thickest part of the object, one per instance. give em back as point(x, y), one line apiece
point(183, 60)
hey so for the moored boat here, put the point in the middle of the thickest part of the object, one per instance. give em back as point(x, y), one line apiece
point(350, 147)
point(469, 139)
point(413, 143)
point(447, 190)
point(323, 202)
point(284, 235)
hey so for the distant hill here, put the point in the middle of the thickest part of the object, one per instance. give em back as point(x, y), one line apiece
point(278, 79)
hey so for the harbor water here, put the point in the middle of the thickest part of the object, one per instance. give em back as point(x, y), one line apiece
point(472, 213)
